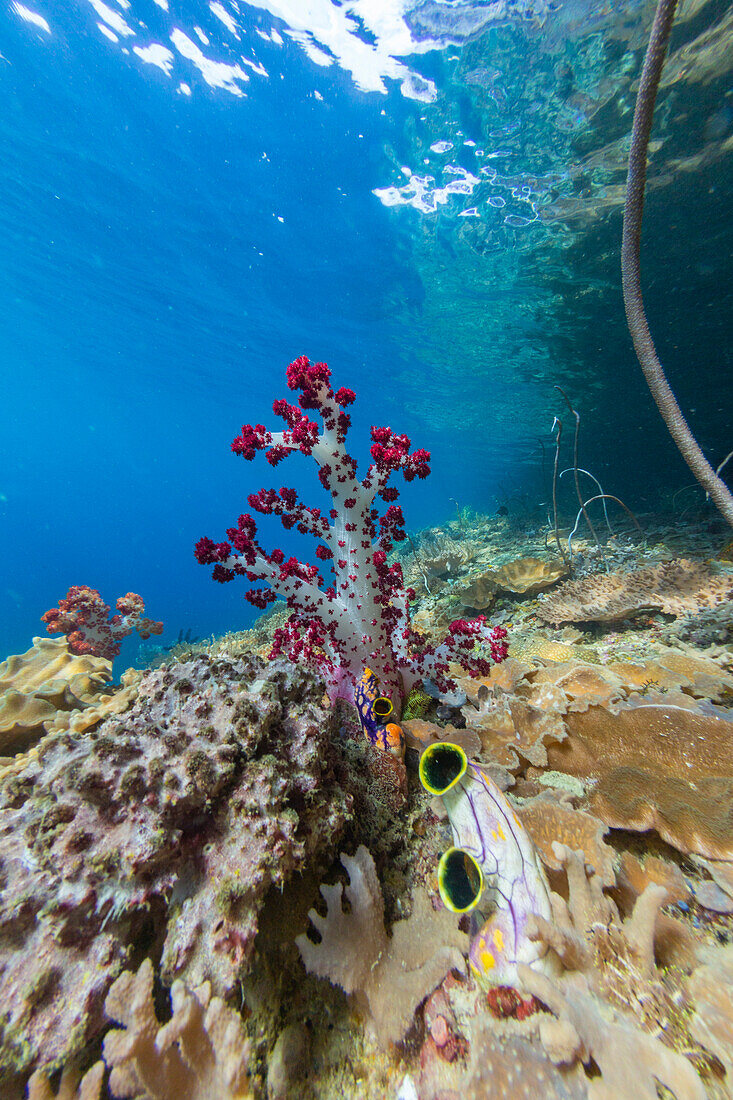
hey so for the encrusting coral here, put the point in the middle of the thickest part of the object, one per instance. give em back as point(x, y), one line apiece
point(676, 587)
point(171, 821)
point(389, 975)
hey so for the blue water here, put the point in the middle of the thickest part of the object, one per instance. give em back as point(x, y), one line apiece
point(424, 195)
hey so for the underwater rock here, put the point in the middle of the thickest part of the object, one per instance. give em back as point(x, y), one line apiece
point(170, 822)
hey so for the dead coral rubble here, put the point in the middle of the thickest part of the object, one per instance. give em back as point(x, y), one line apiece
point(678, 588)
point(170, 822)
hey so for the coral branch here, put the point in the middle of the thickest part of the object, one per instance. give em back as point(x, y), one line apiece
point(361, 616)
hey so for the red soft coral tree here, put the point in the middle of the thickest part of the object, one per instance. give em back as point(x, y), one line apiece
point(84, 617)
point(360, 617)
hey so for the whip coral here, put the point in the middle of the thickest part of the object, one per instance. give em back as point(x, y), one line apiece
point(362, 616)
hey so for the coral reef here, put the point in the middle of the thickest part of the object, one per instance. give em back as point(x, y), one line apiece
point(84, 617)
point(193, 830)
point(528, 576)
point(361, 619)
point(37, 685)
point(676, 587)
point(169, 822)
point(391, 975)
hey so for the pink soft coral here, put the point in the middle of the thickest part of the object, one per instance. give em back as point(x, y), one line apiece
point(360, 618)
point(84, 617)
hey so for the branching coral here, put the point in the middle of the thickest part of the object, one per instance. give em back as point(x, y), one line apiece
point(362, 618)
point(390, 975)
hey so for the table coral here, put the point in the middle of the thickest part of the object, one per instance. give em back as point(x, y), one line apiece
point(676, 588)
point(528, 576)
point(389, 975)
point(657, 767)
point(582, 685)
point(170, 821)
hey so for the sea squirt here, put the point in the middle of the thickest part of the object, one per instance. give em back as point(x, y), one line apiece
point(492, 866)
